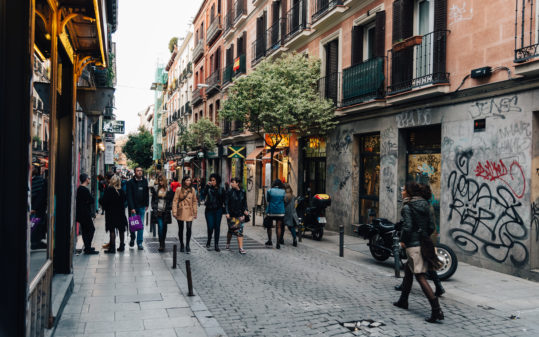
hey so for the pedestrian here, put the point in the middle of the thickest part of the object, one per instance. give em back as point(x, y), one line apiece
point(184, 209)
point(38, 211)
point(102, 185)
point(290, 216)
point(113, 202)
point(174, 184)
point(85, 214)
point(162, 197)
point(215, 204)
point(275, 212)
point(236, 211)
point(138, 199)
point(417, 227)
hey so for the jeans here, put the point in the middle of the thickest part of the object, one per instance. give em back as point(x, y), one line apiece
point(213, 221)
point(140, 212)
point(161, 229)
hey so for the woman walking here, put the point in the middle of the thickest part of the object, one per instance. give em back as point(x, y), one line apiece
point(184, 209)
point(215, 202)
point(417, 226)
point(113, 202)
point(236, 211)
point(275, 211)
point(162, 197)
point(290, 216)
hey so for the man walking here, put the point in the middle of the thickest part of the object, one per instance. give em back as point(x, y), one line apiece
point(138, 199)
point(84, 204)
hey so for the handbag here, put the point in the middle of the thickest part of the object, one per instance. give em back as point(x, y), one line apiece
point(135, 223)
point(247, 218)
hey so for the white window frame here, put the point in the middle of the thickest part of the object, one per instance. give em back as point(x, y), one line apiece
point(366, 28)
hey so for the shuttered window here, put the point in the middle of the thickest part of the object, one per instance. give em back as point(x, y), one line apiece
point(357, 45)
point(380, 34)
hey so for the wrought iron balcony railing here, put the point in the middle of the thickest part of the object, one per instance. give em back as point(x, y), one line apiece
point(197, 97)
point(525, 36)
point(329, 87)
point(227, 74)
point(296, 19)
point(188, 109)
point(274, 36)
point(419, 65)
point(214, 29)
point(214, 82)
point(198, 51)
point(258, 49)
point(240, 8)
point(229, 20)
point(321, 7)
point(363, 82)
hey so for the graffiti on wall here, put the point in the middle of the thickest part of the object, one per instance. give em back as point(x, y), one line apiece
point(388, 147)
point(514, 138)
point(513, 177)
point(416, 117)
point(535, 218)
point(488, 215)
point(494, 107)
point(459, 13)
point(342, 141)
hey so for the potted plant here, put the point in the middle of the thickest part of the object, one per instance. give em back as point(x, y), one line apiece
point(408, 42)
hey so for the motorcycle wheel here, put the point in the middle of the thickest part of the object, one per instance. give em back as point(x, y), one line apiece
point(449, 260)
point(378, 254)
point(318, 234)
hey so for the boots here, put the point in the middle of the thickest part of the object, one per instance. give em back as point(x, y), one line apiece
point(402, 302)
point(439, 289)
point(436, 312)
point(182, 247)
point(112, 249)
point(122, 247)
point(295, 242)
point(161, 246)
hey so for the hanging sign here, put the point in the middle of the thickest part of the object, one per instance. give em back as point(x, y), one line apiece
point(109, 153)
point(236, 152)
point(281, 140)
point(113, 126)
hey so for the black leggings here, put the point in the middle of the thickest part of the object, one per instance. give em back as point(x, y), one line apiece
point(188, 231)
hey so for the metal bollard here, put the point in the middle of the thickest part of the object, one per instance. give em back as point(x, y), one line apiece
point(254, 216)
point(174, 256)
point(189, 279)
point(341, 240)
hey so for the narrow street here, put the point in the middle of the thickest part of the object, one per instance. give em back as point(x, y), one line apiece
point(301, 291)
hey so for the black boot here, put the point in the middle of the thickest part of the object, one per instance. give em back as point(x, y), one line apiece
point(187, 249)
point(402, 302)
point(295, 242)
point(436, 312)
point(112, 249)
point(121, 248)
point(439, 289)
point(182, 247)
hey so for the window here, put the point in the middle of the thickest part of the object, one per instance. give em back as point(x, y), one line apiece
point(424, 24)
point(368, 41)
point(368, 37)
point(369, 175)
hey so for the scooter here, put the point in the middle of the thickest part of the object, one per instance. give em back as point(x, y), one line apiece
point(312, 215)
point(384, 242)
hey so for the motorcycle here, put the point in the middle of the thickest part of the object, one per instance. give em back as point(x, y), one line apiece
point(384, 242)
point(312, 215)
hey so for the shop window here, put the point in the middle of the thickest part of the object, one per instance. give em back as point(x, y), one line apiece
point(369, 175)
point(315, 166)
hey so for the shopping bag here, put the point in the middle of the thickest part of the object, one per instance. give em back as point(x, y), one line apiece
point(135, 223)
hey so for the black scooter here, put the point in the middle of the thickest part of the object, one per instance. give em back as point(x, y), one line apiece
point(384, 237)
point(312, 215)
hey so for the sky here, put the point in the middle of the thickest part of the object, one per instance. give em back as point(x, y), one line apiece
point(144, 30)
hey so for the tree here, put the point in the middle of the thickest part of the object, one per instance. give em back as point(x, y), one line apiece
point(201, 135)
point(172, 43)
point(280, 97)
point(138, 148)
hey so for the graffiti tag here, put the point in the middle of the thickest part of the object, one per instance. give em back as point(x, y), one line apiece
point(458, 14)
point(491, 171)
point(416, 117)
point(495, 107)
point(535, 218)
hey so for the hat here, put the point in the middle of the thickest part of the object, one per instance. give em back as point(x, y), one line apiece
point(83, 177)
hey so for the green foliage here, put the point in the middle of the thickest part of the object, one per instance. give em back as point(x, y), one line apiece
point(172, 43)
point(138, 148)
point(110, 70)
point(281, 97)
point(200, 135)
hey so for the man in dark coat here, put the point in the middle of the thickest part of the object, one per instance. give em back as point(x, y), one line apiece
point(84, 207)
point(138, 199)
point(39, 210)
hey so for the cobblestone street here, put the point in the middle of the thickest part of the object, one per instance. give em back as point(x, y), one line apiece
point(307, 291)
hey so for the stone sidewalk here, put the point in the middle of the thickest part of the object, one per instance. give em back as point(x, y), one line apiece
point(133, 294)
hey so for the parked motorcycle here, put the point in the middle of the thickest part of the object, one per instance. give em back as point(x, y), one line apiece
point(384, 242)
point(312, 215)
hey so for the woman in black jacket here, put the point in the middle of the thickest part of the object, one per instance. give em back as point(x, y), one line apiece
point(214, 202)
point(417, 226)
point(162, 197)
point(236, 211)
point(113, 202)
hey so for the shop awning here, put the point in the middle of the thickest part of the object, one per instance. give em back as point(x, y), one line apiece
point(251, 157)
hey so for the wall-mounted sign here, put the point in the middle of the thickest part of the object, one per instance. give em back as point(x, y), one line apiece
point(109, 137)
point(281, 140)
point(109, 153)
point(112, 126)
point(236, 152)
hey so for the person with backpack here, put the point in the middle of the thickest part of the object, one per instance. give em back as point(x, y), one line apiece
point(275, 212)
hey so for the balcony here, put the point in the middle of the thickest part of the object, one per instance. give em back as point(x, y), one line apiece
point(227, 74)
point(240, 9)
point(329, 88)
point(258, 49)
point(526, 39)
point(229, 24)
point(198, 97)
point(297, 27)
point(241, 68)
point(214, 83)
point(275, 36)
point(198, 51)
point(419, 66)
point(214, 29)
point(188, 109)
point(325, 11)
point(363, 82)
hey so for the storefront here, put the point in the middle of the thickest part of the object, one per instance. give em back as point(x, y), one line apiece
point(279, 168)
point(314, 165)
point(369, 175)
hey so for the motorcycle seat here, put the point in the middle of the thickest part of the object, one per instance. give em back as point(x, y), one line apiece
point(384, 224)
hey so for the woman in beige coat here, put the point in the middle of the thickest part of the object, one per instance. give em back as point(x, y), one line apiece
point(184, 209)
